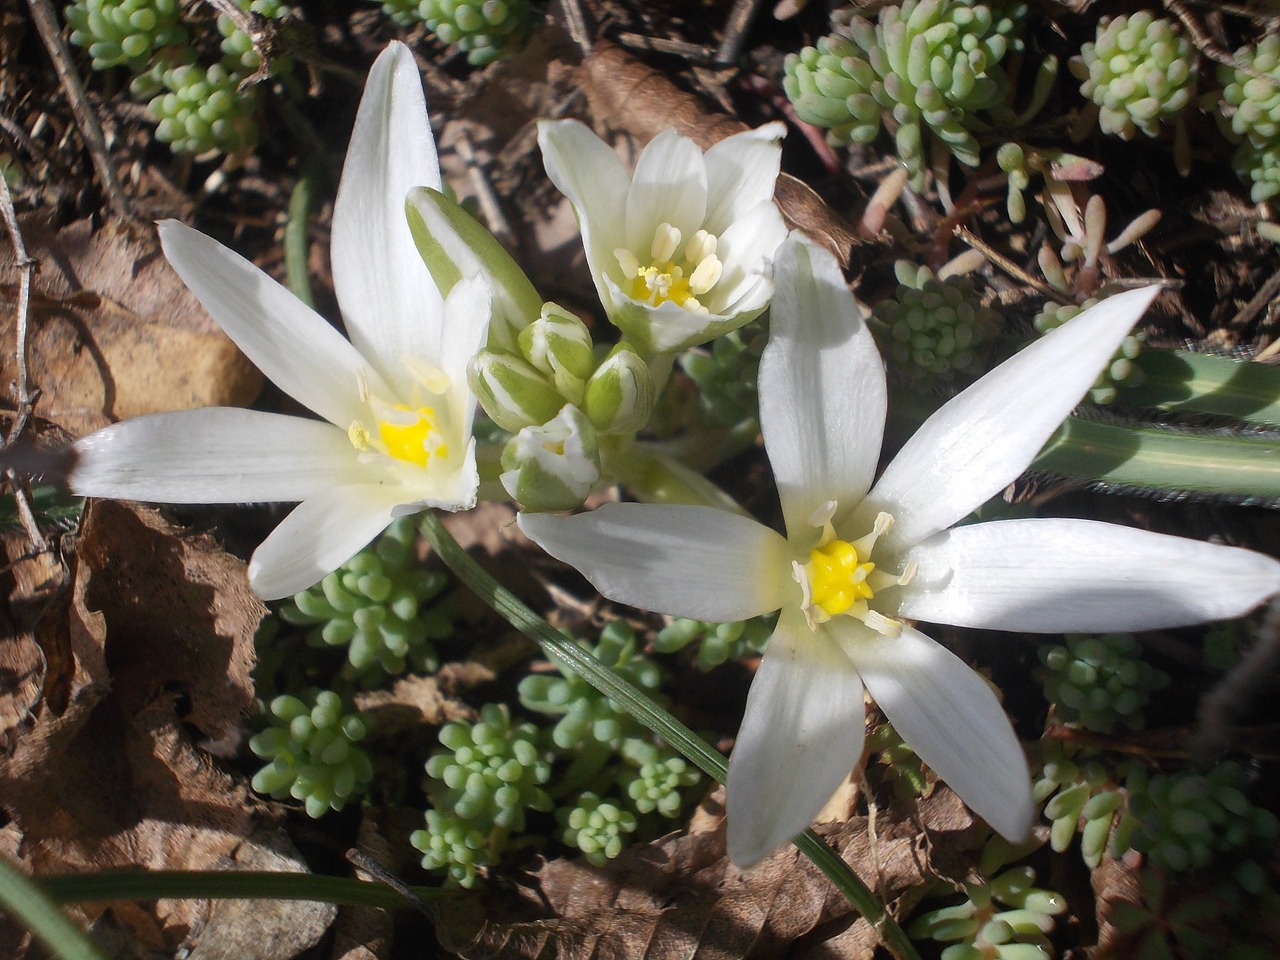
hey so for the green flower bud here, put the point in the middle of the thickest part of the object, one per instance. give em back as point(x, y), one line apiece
point(558, 345)
point(552, 466)
point(620, 393)
point(513, 394)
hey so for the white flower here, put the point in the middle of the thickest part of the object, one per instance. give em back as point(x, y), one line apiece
point(681, 251)
point(860, 559)
point(395, 397)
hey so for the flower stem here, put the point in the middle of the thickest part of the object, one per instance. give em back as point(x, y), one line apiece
point(568, 654)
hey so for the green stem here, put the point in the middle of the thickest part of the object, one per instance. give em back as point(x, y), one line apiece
point(564, 652)
point(107, 885)
point(1184, 382)
point(25, 901)
point(296, 259)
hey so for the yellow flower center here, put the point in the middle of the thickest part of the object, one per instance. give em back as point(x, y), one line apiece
point(839, 577)
point(664, 276)
point(408, 434)
point(837, 580)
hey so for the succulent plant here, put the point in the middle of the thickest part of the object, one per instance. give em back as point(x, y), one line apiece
point(491, 771)
point(1079, 795)
point(1099, 682)
point(311, 748)
point(934, 328)
point(1139, 70)
point(485, 29)
point(717, 642)
point(379, 605)
point(1183, 819)
point(237, 46)
point(897, 763)
point(927, 64)
point(453, 844)
point(202, 110)
point(128, 32)
point(598, 827)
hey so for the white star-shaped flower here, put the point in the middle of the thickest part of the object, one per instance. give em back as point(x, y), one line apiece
point(396, 435)
point(681, 250)
point(863, 559)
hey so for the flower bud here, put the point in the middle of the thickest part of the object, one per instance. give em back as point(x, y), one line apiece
point(558, 345)
point(555, 465)
point(619, 395)
point(512, 393)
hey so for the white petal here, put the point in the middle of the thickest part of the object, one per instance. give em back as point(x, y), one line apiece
point(466, 322)
point(696, 562)
point(320, 535)
point(669, 327)
point(747, 249)
point(948, 715)
point(669, 185)
point(980, 441)
point(822, 387)
point(800, 737)
point(1079, 575)
point(389, 302)
point(741, 172)
point(288, 341)
point(215, 455)
point(589, 173)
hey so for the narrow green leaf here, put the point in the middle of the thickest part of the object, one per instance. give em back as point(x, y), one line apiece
point(24, 900)
point(1184, 382)
point(1165, 461)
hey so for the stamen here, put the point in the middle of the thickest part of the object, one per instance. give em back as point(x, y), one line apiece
point(701, 245)
point(666, 240)
point(864, 545)
point(881, 624)
point(706, 275)
point(628, 261)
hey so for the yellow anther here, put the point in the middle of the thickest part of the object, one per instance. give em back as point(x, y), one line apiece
point(359, 436)
point(666, 241)
point(415, 438)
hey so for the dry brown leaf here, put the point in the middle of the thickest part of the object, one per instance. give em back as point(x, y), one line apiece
point(626, 95)
point(113, 332)
point(680, 896)
point(158, 629)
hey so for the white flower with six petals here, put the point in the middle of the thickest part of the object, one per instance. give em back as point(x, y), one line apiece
point(396, 436)
point(681, 250)
point(861, 559)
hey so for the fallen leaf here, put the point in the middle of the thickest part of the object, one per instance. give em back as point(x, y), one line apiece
point(113, 332)
point(158, 629)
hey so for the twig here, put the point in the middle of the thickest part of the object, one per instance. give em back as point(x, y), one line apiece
point(735, 31)
point(489, 205)
point(1257, 303)
point(579, 26)
point(47, 23)
point(26, 397)
point(1005, 264)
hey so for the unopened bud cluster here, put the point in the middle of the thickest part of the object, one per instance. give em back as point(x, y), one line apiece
point(376, 605)
point(935, 328)
point(553, 394)
point(311, 746)
point(1140, 70)
point(928, 64)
